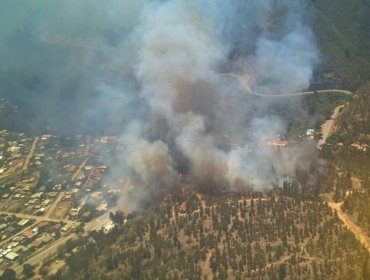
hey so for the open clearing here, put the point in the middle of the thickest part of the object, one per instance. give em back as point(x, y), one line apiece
point(61, 209)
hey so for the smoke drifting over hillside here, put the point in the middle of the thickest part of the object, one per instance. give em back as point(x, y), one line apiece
point(150, 70)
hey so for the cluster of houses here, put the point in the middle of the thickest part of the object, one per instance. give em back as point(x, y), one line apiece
point(83, 178)
point(282, 143)
point(87, 181)
point(87, 177)
point(39, 202)
point(20, 193)
point(49, 148)
point(96, 201)
point(14, 148)
point(82, 182)
point(10, 225)
point(30, 240)
point(93, 175)
point(277, 143)
point(359, 147)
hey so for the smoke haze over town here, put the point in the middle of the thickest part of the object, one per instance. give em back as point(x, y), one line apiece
point(150, 72)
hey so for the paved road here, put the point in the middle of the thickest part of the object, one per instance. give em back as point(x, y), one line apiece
point(79, 169)
point(25, 164)
point(87, 145)
point(10, 237)
point(37, 218)
point(9, 175)
point(30, 154)
point(244, 82)
point(52, 249)
point(45, 253)
point(101, 221)
point(328, 126)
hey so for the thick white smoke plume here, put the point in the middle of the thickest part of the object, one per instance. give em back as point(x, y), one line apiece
point(152, 68)
point(181, 50)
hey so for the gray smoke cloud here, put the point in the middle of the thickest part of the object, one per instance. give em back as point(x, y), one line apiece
point(292, 56)
point(150, 71)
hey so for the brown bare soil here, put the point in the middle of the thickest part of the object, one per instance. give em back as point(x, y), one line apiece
point(61, 209)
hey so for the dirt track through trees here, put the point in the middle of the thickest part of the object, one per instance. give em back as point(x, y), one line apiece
point(244, 82)
point(356, 230)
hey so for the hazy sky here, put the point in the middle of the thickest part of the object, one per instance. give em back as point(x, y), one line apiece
point(149, 70)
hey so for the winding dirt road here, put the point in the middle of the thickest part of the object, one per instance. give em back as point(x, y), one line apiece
point(244, 82)
point(356, 230)
point(326, 129)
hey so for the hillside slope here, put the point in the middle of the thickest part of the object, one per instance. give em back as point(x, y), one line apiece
point(343, 31)
point(236, 237)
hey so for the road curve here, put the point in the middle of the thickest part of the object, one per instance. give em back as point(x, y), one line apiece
point(356, 230)
point(244, 82)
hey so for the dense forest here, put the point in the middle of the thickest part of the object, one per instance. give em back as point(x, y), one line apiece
point(279, 235)
point(343, 31)
point(348, 151)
